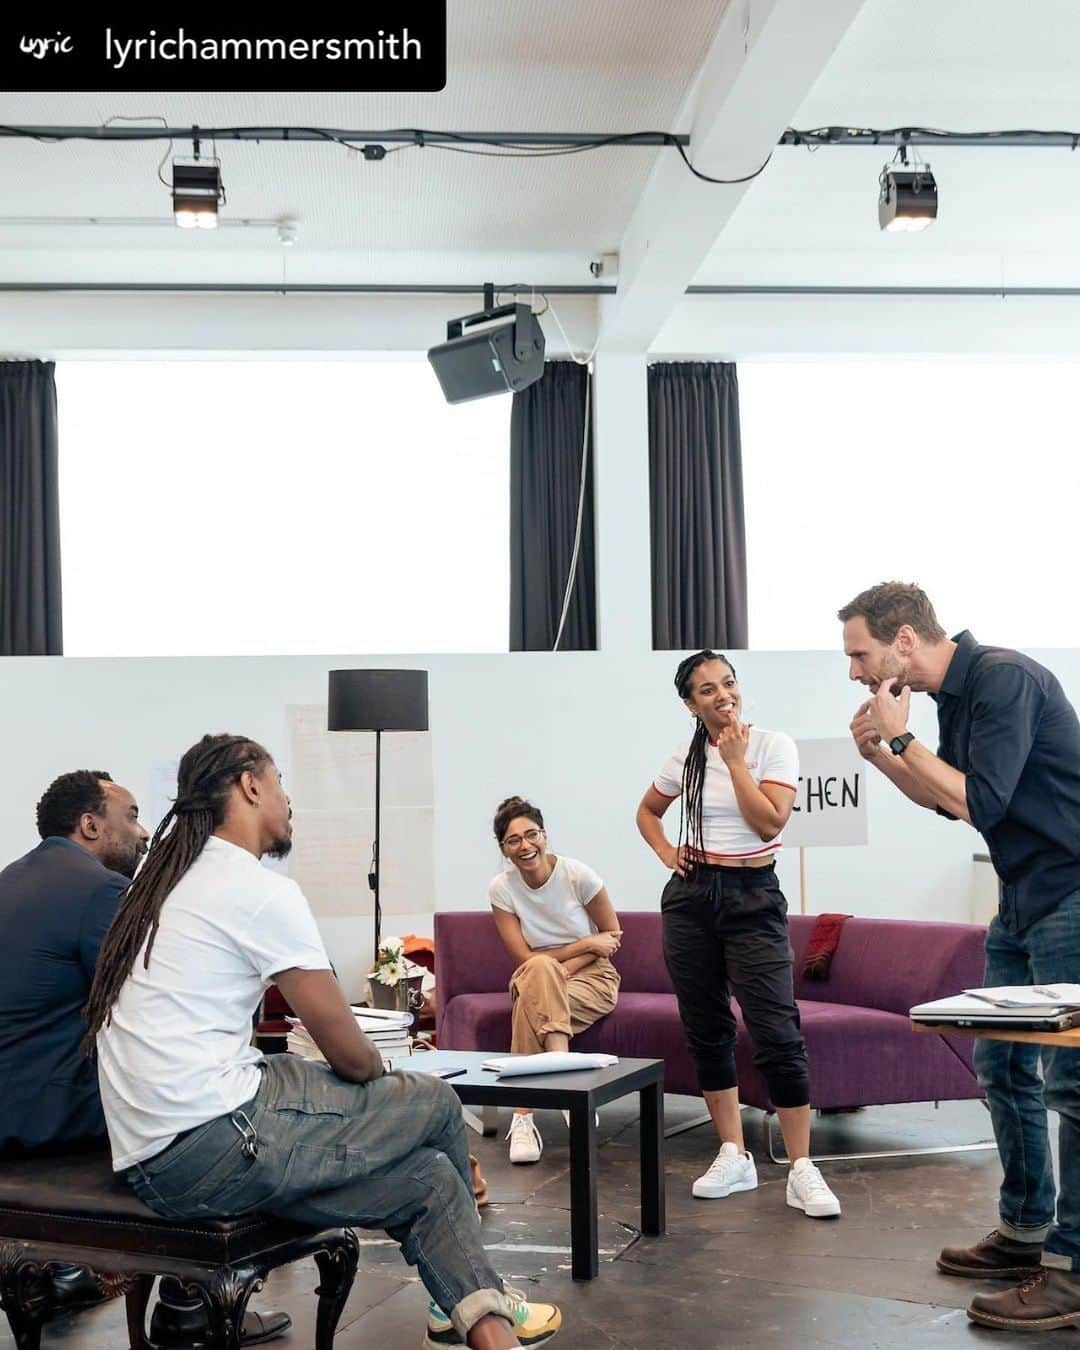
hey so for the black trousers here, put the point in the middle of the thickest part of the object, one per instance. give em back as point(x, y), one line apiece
point(725, 932)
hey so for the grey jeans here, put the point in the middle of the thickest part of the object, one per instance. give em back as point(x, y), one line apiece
point(389, 1154)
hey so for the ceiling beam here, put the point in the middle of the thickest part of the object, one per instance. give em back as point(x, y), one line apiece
point(888, 137)
point(294, 288)
point(763, 60)
point(538, 140)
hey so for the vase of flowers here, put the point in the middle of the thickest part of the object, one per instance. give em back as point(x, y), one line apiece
point(395, 980)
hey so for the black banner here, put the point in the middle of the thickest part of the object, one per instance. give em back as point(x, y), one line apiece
point(389, 47)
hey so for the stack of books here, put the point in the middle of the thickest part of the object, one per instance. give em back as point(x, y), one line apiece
point(387, 1028)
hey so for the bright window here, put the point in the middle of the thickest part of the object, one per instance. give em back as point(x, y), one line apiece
point(217, 507)
point(961, 476)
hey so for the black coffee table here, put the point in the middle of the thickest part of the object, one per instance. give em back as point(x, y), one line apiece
point(580, 1094)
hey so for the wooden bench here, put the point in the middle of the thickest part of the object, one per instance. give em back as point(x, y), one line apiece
point(74, 1209)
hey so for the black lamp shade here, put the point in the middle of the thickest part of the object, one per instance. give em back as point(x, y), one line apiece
point(378, 700)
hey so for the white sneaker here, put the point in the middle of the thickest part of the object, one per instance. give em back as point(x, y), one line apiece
point(808, 1191)
point(525, 1142)
point(730, 1171)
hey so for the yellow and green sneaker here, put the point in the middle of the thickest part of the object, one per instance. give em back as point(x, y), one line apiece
point(533, 1323)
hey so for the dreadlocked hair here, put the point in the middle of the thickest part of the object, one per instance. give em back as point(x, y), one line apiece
point(691, 826)
point(205, 776)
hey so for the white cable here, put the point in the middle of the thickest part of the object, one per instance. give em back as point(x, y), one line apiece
point(581, 360)
point(147, 117)
point(580, 509)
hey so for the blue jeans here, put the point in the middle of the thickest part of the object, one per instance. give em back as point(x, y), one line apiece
point(1046, 952)
point(389, 1154)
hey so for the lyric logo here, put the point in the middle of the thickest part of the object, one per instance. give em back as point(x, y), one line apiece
point(41, 47)
point(380, 46)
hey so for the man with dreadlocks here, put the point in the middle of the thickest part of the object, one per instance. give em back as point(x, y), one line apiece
point(56, 904)
point(201, 1124)
point(725, 922)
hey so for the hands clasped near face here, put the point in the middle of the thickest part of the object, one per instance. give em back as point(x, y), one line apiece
point(881, 718)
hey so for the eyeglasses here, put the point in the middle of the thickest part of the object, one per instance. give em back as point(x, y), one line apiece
point(529, 837)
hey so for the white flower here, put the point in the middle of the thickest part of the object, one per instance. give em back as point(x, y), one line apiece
point(391, 972)
point(391, 966)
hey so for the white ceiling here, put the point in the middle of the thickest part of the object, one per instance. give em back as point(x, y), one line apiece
point(1007, 217)
point(419, 215)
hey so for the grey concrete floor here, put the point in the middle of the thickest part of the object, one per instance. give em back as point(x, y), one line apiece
point(745, 1271)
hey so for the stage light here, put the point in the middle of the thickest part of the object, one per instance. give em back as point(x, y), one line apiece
point(196, 192)
point(908, 196)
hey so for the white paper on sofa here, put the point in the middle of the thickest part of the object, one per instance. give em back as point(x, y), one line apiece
point(552, 1061)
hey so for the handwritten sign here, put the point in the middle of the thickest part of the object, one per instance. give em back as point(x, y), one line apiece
point(830, 806)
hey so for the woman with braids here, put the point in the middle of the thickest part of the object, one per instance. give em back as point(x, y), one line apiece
point(557, 922)
point(725, 922)
point(200, 1124)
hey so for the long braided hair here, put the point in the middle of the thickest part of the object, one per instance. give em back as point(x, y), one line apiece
point(691, 827)
point(207, 772)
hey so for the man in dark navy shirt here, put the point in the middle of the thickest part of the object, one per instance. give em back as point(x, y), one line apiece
point(56, 904)
point(1008, 762)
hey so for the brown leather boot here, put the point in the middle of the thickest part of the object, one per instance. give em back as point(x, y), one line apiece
point(996, 1257)
point(1047, 1299)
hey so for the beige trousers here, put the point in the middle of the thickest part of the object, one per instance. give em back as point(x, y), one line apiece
point(545, 1001)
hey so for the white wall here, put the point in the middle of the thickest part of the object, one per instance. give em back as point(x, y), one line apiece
point(85, 324)
point(729, 327)
point(581, 734)
point(702, 327)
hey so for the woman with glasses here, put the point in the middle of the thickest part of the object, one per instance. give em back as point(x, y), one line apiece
point(725, 922)
point(559, 925)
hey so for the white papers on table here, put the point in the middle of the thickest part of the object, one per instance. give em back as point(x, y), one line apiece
point(554, 1061)
point(1029, 995)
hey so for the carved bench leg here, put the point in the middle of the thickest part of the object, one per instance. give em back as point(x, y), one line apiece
point(25, 1295)
point(226, 1292)
point(137, 1297)
point(337, 1269)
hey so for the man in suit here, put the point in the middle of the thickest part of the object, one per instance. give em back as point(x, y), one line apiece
point(56, 904)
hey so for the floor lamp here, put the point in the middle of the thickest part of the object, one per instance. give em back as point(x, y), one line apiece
point(378, 701)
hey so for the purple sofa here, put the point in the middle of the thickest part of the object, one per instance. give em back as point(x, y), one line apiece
point(862, 1050)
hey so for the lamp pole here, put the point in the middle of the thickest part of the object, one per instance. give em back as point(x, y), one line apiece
point(377, 700)
point(373, 876)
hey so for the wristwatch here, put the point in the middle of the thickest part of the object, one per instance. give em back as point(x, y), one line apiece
point(900, 743)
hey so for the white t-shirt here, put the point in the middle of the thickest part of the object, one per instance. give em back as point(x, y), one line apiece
point(771, 757)
point(178, 1050)
point(553, 914)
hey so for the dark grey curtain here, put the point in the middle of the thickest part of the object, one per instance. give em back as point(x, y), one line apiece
point(547, 426)
point(30, 623)
point(698, 532)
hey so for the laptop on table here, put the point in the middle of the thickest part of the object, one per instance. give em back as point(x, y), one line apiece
point(964, 1010)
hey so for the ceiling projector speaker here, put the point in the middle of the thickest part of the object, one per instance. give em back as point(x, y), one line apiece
point(496, 351)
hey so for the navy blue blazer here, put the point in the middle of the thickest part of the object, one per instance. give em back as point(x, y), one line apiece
point(55, 906)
